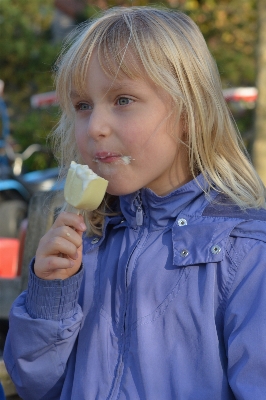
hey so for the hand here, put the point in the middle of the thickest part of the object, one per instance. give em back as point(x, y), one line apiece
point(59, 253)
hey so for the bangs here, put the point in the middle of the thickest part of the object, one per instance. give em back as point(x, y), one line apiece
point(117, 51)
point(117, 55)
point(118, 64)
point(126, 45)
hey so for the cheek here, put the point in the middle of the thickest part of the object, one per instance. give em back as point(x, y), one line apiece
point(80, 135)
point(154, 144)
point(82, 144)
point(138, 139)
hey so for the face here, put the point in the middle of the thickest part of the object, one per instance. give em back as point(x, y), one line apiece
point(125, 133)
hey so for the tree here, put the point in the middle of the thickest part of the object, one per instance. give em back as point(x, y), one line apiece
point(230, 30)
point(26, 56)
point(259, 154)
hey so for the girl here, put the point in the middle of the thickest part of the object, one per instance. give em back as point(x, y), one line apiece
point(164, 297)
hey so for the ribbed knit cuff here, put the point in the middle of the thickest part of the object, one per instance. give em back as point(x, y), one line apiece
point(56, 299)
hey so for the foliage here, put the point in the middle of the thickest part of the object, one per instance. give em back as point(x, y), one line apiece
point(230, 29)
point(27, 54)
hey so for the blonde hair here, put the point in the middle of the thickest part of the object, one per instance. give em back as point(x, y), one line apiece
point(169, 46)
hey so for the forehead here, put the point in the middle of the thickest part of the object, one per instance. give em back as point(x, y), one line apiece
point(98, 83)
point(109, 72)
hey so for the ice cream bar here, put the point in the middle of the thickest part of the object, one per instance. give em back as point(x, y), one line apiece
point(83, 188)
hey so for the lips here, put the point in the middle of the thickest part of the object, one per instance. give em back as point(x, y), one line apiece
point(106, 157)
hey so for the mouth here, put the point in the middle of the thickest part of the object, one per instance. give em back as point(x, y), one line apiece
point(108, 158)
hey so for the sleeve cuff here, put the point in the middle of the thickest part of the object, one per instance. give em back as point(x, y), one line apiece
point(56, 299)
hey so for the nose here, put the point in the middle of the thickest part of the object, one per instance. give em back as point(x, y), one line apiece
point(99, 124)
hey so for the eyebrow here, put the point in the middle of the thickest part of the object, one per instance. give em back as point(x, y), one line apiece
point(117, 86)
point(74, 94)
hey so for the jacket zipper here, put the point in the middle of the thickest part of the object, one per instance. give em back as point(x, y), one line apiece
point(139, 221)
point(139, 212)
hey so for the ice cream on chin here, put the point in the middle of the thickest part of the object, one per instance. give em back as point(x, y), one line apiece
point(84, 189)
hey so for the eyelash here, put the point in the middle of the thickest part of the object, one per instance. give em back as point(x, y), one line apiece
point(124, 97)
point(79, 106)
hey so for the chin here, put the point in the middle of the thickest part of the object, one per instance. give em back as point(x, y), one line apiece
point(121, 191)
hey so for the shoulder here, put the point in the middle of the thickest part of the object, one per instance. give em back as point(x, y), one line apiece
point(223, 206)
point(247, 223)
point(241, 234)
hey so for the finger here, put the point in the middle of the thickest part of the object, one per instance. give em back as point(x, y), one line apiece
point(56, 268)
point(54, 263)
point(69, 234)
point(70, 219)
point(56, 245)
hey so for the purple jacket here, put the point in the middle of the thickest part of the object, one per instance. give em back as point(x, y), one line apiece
point(170, 304)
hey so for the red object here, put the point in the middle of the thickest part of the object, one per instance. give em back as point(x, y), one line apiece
point(43, 100)
point(248, 94)
point(9, 255)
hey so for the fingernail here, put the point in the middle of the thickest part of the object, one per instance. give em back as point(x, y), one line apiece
point(82, 226)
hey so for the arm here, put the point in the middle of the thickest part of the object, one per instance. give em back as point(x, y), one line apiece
point(245, 320)
point(45, 320)
point(37, 349)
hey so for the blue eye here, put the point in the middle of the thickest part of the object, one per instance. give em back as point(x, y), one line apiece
point(124, 101)
point(83, 107)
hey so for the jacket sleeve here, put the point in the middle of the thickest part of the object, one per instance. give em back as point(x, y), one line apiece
point(245, 319)
point(43, 326)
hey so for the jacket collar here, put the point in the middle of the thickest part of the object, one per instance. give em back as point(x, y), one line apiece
point(203, 238)
point(161, 211)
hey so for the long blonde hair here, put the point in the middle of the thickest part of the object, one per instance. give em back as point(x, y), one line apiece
point(172, 51)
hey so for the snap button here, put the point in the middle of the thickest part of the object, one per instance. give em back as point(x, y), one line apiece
point(182, 222)
point(215, 249)
point(95, 240)
point(184, 253)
